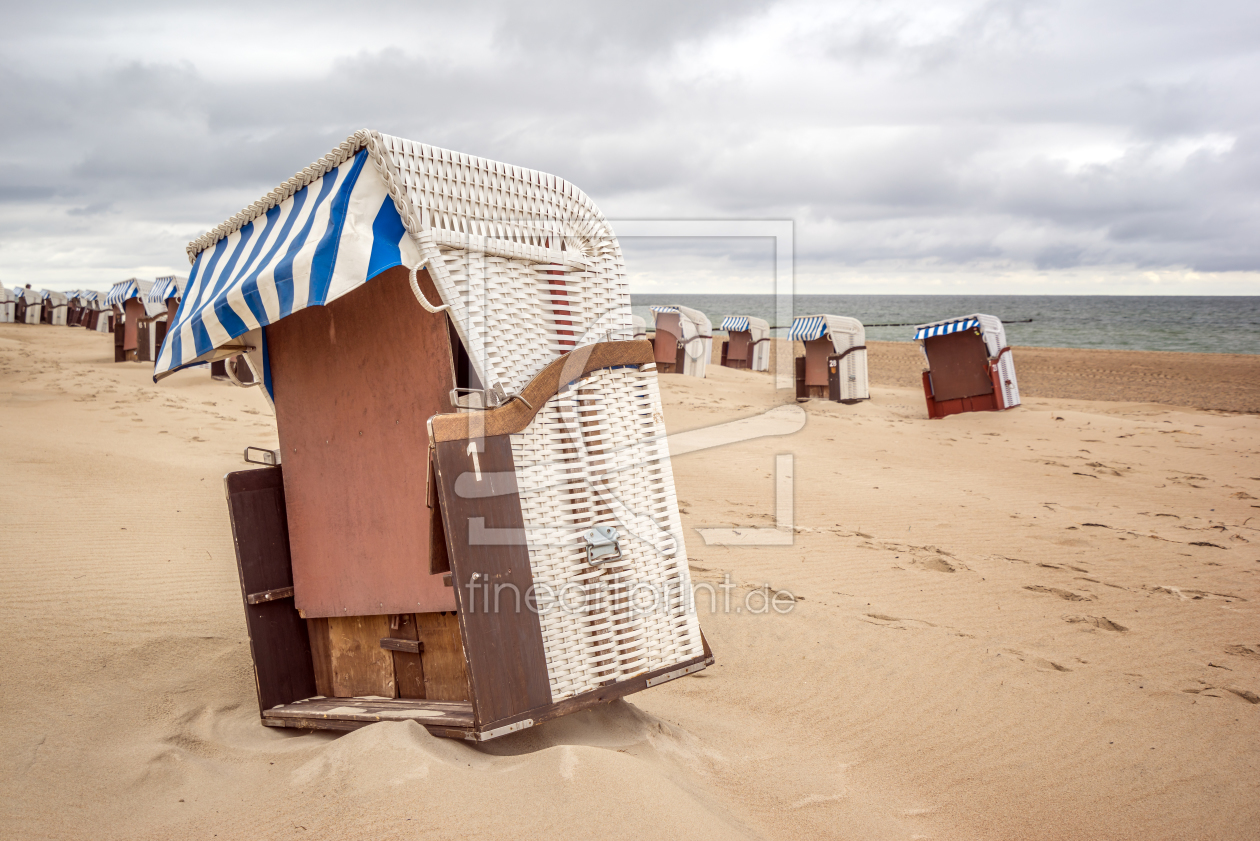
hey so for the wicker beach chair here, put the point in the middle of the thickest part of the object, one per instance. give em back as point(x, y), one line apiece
point(969, 366)
point(8, 303)
point(834, 364)
point(30, 305)
point(442, 334)
point(683, 341)
point(56, 307)
point(135, 332)
point(749, 343)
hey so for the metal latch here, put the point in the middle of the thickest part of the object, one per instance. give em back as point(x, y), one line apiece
point(603, 544)
point(262, 456)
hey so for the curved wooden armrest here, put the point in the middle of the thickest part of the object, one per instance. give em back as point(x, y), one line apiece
point(839, 356)
point(515, 415)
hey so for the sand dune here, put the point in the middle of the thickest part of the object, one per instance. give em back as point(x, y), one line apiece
point(1040, 623)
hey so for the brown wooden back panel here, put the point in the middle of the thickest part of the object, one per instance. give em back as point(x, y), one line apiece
point(134, 311)
point(959, 365)
point(278, 637)
point(507, 665)
point(802, 390)
point(354, 383)
point(740, 343)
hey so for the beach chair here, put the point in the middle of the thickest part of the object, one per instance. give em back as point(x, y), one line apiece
point(56, 306)
point(135, 333)
point(100, 318)
point(683, 341)
point(30, 305)
point(480, 569)
point(969, 366)
point(834, 364)
point(749, 343)
point(8, 303)
point(161, 303)
point(640, 327)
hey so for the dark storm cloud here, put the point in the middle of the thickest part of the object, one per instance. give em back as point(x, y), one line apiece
point(1043, 134)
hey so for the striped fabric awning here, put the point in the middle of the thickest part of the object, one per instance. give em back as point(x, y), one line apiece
point(300, 253)
point(663, 309)
point(120, 292)
point(927, 331)
point(163, 288)
point(808, 328)
point(735, 324)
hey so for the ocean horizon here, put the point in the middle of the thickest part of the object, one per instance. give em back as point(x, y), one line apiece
point(1186, 324)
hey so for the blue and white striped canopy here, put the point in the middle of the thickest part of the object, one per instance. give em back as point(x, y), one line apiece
point(735, 324)
point(120, 292)
point(808, 328)
point(664, 309)
point(328, 238)
point(930, 330)
point(163, 288)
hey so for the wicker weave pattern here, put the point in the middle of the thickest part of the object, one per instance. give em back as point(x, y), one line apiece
point(596, 454)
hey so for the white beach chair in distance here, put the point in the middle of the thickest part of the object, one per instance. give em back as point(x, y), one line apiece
point(442, 334)
point(56, 306)
point(8, 303)
point(834, 364)
point(692, 335)
point(30, 305)
point(969, 365)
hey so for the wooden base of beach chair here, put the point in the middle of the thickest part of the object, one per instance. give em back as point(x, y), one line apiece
point(342, 673)
point(942, 408)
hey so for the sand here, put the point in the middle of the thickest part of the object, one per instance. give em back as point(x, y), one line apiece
point(1033, 624)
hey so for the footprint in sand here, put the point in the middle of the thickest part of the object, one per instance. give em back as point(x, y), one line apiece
point(1067, 595)
point(1102, 623)
point(1041, 663)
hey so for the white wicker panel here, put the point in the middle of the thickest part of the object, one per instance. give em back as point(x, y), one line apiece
point(1010, 386)
point(596, 454)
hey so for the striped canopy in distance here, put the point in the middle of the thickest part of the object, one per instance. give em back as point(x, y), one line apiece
point(123, 291)
point(163, 288)
point(735, 324)
point(944, 328)
point(808, 328)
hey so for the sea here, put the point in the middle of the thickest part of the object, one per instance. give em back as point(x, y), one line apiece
point(1188, 324)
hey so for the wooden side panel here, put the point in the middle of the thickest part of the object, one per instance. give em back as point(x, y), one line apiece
point(445, 673)
point(278, 637)
point(159, 335)
point(359, 665)
point(960, 365)
point(802, 390)
point(134, 310)
point(740, 349)
point(503, 645)
point(354, 383)
point(408, 667)
point(144, 340)
point(120, 334)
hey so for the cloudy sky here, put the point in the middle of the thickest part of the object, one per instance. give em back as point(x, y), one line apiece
point(1095, 147)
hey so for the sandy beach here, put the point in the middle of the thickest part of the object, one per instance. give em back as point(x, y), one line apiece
point(1040, 623)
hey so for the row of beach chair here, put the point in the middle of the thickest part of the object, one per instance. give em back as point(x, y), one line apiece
point(969, 365)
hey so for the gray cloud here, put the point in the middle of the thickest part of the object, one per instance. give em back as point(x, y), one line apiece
point(1041, 135)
